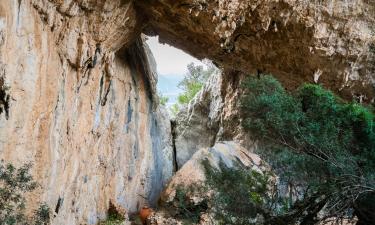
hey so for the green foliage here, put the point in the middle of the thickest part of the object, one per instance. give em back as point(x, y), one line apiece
point(313, 138)
point(192, 88)
point(232, 195)
point(185, 208)
point(14, 183)
point(239, 194)
point(174, 109)
point(42, 215)
point(163, 99)
point(113, 218)
point(192, 83)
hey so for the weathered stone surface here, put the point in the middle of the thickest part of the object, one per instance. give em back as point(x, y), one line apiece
point(192, 176)
point(92, 130)
point(159, 218)
point(81, 85)
point(197, 125)
point(213, 115)
point(193, 172)
point(329, 42)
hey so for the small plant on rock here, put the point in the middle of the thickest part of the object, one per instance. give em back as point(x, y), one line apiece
point(184, 206)
point(42, 215)
point(113, 217)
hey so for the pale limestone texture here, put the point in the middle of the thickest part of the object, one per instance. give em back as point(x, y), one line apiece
point(292, 39)
point(192, 173)
point(77, 85)
point(228, 152)
point(92, 130)
point(198, 123)
point(212, 116)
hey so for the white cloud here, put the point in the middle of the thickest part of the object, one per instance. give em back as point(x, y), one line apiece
point(170, 60)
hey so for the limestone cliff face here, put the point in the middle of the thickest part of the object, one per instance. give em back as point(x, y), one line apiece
point(77, 84)
point(198, 124)
point(85, 117)
point(212, 116)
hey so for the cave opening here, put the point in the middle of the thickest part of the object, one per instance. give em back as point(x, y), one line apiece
point(180, 75)
point(171, 65)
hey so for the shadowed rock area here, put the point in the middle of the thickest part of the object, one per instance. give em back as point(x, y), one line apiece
point(77, 86)
point(326, 42)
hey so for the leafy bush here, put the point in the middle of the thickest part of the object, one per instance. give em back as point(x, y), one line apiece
point(14, 184)
point(314, 139)
point(113, 218)
point(42, 215)
point(191, 89)
point(239, 194)
point(231, 195)
point(185, 209)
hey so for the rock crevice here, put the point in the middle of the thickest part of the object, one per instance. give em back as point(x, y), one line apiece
point(77, 85)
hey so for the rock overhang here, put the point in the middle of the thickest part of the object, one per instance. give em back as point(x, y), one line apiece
point(297, 41)
point(331, 43)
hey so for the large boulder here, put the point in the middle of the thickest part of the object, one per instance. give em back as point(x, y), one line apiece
point(228, 152)
point(191, 180)
point(213, 115)
point(198, 123)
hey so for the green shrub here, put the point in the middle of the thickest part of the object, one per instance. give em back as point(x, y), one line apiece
point(42, 215)
point(313, 138)
point(113, 219)
point(14, 184)
point(192, 88)
point(232, 195)
point(184, 208)
point(239, 194)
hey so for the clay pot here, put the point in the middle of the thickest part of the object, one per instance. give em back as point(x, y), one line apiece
point(144, 213)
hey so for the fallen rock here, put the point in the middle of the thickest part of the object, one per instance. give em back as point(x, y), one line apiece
point(192, 176)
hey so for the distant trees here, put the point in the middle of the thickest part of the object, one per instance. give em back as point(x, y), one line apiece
point(318, 142)
point(193, 82)
point(163, 99)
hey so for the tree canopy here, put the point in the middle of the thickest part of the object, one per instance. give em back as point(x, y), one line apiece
point(316, 141)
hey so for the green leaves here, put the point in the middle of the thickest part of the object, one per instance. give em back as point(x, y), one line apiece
point(192, 83)
point(163, 99)
point(311, 136)
point(185, 208)
point(191, 89)
point(14, 184)
point(239, 193)
point(42, 215)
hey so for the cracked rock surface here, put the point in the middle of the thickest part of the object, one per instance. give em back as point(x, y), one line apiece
point(78, 95)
